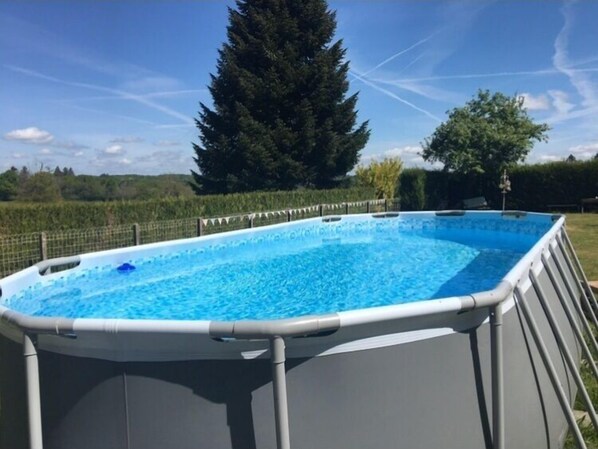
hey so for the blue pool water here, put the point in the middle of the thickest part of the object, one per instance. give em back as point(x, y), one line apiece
point(320, 269)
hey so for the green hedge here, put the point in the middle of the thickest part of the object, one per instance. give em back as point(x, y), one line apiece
point(534, 187)
point(412, 189)
point(16, 218)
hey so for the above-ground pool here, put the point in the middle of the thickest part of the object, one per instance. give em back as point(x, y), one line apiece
point(379, 331)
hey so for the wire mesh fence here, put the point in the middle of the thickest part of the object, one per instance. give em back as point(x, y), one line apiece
point(23, 250)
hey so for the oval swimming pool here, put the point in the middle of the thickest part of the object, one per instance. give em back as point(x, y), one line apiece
point(311, 268)
point(379, 331)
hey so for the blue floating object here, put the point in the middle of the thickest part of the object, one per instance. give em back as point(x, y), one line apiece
point(126, 268)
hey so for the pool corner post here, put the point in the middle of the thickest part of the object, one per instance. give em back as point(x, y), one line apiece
point(279, 385)
point(33, 392)
point(496, 343)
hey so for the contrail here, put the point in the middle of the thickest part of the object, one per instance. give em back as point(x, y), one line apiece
point(124, 95)
point(167, 94)
point(393, 95)
point(560, 60)
point(396, 55)
point(483, 75)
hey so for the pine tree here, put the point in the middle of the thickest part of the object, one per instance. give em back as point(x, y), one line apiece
point(281, 118)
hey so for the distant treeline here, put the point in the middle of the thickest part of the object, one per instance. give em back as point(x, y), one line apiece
point(63, 184)
point(534, 187)
point(17, 217)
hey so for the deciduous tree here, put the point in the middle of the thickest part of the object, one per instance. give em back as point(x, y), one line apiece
point(488, 134)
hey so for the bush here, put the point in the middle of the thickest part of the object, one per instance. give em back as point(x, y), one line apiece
point(18, 218)
point(534, 187)
point(412, 189)
point(537, 186)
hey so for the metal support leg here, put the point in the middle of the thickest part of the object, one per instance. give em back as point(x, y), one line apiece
point(554, 379)
point(572, 321)
point(581, 388)
point(33, 394)
point(586, 284)
point(281, 411)
point(576, 304)
point(584, 294)
point(498, 411)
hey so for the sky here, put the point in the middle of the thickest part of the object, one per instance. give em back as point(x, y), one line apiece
point(114, 87)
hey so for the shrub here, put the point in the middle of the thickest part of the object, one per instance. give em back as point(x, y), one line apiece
point(412, 189)
point(18, 218)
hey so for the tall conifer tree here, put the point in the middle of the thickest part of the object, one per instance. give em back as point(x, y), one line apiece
point(281, 118)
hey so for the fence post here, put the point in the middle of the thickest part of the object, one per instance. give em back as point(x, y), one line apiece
point(385, 205)
point(251, 217)
point(136, 234)
point(321, 206)
point(289, 215)
point(43, 245)
point(199, 227)
point(368, 208)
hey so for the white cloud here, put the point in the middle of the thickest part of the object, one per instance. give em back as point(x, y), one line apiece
point(167, 143)
point(409, 154)
point(165, 161)
point(45, 151)
point(30, 135)
point(127, 139)
point(113, 150)
point(548, 158)
point(586, 151)
point(535, 103)
point(560, 102)
point(584, 148)
point(125, 161)
point(18, 155)
point(78, 154)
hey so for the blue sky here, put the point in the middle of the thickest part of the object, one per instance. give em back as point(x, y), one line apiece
point(113, 87)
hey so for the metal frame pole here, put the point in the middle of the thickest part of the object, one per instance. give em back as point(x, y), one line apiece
point(586, 284)
point(584, 294)
point(279, 384)
point(576, 304)
point(572, 321)
point(33, 393)
point(554, 379)
point(496, 348)
point(564, 349)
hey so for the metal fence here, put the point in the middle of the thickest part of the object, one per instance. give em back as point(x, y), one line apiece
point(20, 251)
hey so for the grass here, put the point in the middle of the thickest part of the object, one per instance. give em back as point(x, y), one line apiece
point(583, 230)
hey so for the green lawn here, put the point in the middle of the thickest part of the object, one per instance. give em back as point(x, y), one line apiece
point(583, 230)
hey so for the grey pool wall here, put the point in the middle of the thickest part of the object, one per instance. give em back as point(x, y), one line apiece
point(417, 375)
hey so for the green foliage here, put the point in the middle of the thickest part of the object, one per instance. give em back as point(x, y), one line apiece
point(412, 190)
point(93, 188)
point(537, 186)
point(534, 187)
point(40, 187)
point(382, 176)
point(9, 183)
point(490, 133)
point(281, 118)
point(18, 218)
